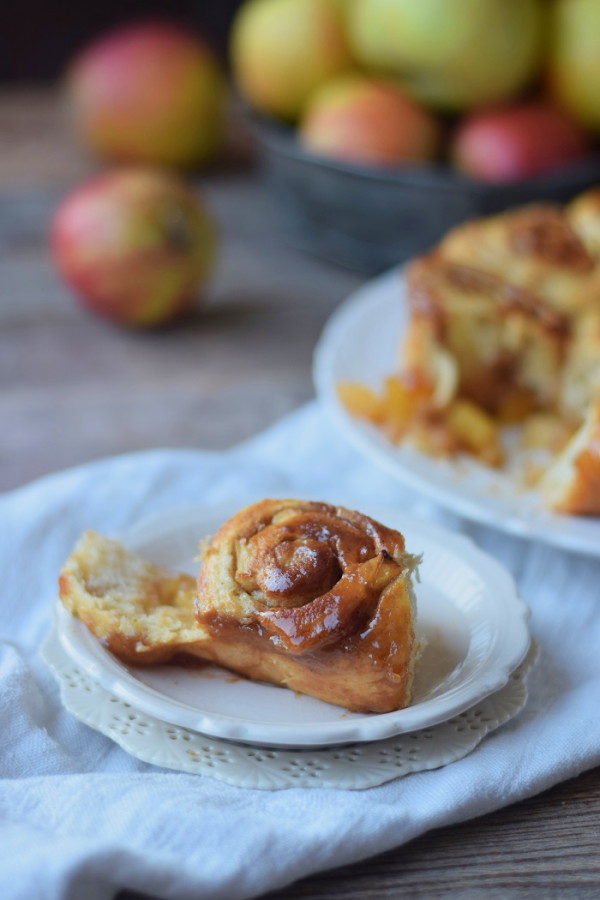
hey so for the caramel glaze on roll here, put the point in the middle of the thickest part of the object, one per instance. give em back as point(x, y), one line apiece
point(313, 597)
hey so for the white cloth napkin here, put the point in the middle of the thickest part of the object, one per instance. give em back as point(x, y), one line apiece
point(79, 818)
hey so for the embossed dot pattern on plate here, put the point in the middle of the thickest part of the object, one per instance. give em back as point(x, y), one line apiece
point(352, 768)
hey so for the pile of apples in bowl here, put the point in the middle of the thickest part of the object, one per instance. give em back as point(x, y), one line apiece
point(385, 122)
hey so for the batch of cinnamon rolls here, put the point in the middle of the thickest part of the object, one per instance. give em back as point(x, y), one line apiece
point(504, 327)
point(305, 595)
point(504, 332)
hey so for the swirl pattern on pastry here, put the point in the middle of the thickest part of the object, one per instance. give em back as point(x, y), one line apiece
point(315, 597)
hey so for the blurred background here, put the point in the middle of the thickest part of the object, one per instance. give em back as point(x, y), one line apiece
point(188, 190)
point(75, 386)
point(39, 52)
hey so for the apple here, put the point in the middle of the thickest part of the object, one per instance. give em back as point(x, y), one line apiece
point(134, 245)
point(450, 54)
point(150, 93)
point(281, 50)
point(516, 142)
point(574, 65)
point(367, 121)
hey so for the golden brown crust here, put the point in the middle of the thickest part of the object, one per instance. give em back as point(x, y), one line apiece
point(544, 235)
point(511, 305)
point(534, 247)
point(581, 375)
point(583, 214)
point(313, 597)
point(142, 613)
point(499, 334)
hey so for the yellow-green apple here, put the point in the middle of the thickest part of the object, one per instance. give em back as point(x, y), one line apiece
point(451, 54)
point(281, 50)
point(574, 65)
point(368, 121)
point(149, 93)
point(134, 245)
point(516, 142)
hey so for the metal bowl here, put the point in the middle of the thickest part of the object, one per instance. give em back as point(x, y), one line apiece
point(370, 219)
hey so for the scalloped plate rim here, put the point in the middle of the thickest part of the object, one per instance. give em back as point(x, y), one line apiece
point(352, 775)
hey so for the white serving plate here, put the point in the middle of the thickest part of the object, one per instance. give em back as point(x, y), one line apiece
point(361, 343)
point(353, 767)
point(475, 625)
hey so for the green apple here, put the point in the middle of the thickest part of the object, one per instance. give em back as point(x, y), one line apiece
point(450, 54)
point(574, 68)
point(281, 50)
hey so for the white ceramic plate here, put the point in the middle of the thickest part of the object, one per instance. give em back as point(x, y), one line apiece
point(468, 610)
point(352, 767)
point(360, 343)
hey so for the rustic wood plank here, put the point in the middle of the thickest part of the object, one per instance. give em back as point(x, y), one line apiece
point(34, 149)
point(543, 847)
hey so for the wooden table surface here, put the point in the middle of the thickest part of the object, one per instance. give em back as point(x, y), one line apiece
point(73, 388)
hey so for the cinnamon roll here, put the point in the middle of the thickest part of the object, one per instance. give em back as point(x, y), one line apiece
point(314, 597)
point(305, 595)
point(503, 327)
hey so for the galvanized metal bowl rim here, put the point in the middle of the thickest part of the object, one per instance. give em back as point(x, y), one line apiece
point(282, 139)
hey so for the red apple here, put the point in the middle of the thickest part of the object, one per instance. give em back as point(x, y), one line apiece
point(134, 245)
point(149, 93)
point(368, 121)
point(516, 142)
